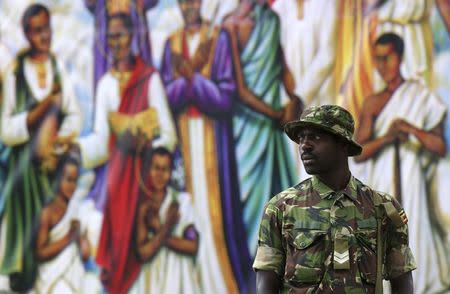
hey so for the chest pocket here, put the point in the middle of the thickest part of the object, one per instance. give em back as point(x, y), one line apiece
point(306, 253)
point(366, 237)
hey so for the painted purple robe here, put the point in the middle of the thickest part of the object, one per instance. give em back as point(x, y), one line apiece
point(213, 97)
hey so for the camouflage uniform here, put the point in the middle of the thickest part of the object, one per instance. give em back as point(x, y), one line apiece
point(322, 240)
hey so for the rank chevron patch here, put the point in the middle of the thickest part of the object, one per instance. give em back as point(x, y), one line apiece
point(341, 257)
point(341, 260)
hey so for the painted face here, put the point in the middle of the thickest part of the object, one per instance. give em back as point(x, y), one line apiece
point(320, 152)
point(39, 32)
point(160, 172)
point(387, 61)
point(119, 39)
point(69, 180)
point(190, 9)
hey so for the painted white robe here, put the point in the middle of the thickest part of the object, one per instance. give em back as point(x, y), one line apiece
point(309, 45)
point(413, 102)
point(14, 129)
point(64, 273)
point(169, 271)
point(95, 147)
point(6, 59)
point(212, 276)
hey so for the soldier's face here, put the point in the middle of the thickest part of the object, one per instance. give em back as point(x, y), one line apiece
point(190, 9)
point(119, 39)
point(320, 151)
point(39, 33)
point(387, 61)
point(160, 172)
point(69, 180)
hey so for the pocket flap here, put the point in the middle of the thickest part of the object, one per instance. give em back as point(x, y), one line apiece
point(304, 239)
point(369, 223)
point(309, 225)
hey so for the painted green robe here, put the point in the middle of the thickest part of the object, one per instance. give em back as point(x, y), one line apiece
point(266, 165)
point(26, 190)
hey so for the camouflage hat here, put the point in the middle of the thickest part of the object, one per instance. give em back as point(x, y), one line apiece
point(330, 118)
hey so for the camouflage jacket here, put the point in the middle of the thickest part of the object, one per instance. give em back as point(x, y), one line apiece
point(321, 240)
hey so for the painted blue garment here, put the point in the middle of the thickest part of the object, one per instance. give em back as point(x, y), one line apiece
point(265, 163)
point(4, 155)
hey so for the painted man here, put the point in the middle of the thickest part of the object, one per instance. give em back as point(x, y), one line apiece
point(129, 90)
point(102, 9)
point(260, 73)
point(199, 77)
point(401, 130)
point(38, 111)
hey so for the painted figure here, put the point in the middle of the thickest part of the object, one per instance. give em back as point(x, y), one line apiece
point(131, 112)
point(166, 237)
point(260, 71)
point(411, 21)
point(401, 130)
point(102, 9)
point(311, 50)
point(60, 247)
point(199, 77)
point(40, 116)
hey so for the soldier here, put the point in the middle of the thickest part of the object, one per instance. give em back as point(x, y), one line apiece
point(331, 233)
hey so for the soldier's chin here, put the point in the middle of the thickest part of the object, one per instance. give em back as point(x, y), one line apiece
point(310, 170)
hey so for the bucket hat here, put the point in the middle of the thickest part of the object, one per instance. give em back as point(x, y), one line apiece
point(330, 118)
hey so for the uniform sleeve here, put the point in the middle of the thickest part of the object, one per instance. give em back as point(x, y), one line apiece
point(399, 257)
point(270, 255)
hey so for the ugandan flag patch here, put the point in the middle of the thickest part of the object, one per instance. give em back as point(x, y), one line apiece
point(403, 216)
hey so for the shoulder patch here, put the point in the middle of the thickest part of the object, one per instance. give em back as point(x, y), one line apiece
point(394, 215)
point(403, 216)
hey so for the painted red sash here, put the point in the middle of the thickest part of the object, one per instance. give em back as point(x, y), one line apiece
point(116, 252)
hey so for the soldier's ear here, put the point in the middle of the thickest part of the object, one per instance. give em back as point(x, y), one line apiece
point(347, 149)
point(345, 145)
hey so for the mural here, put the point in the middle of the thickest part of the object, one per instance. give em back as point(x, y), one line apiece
point(140, 140)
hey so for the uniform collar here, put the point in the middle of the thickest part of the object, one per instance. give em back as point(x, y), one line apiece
point(324, 191)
